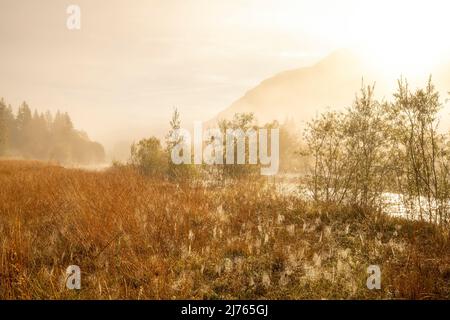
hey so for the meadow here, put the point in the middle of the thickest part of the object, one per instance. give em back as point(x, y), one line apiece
point(141, 237)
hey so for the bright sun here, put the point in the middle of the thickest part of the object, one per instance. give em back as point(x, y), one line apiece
point(402, 37)
point(398, 37)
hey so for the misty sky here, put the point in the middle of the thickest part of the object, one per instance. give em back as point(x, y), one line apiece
point(133, 61)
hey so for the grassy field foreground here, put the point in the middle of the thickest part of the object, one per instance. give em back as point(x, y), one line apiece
point(139, 238)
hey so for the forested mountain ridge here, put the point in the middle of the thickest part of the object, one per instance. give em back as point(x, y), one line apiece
point(44, 136)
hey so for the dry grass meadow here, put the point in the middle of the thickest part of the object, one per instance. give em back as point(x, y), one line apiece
point(136, 237)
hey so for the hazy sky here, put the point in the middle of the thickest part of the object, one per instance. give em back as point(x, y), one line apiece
point(133, 61)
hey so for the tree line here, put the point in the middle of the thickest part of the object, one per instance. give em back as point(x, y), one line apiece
point(357, 157)
point(44, 136)
point(379, 147)
point(152, 158)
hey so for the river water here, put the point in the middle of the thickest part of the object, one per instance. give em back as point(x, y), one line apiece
point(393, 204)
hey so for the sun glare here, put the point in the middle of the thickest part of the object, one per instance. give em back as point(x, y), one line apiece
point(398, 37)
point(402, 37)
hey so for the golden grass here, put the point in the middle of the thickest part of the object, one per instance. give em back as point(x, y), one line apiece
point(140, 238)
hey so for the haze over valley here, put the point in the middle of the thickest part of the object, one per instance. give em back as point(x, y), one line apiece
point(121, 75)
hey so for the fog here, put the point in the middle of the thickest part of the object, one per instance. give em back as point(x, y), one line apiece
point(121, 75)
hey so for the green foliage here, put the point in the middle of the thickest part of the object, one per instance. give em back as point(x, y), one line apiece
point(243, 122)
point(290, 147)
point(421, 153)
point(3, 128)
point(378, 147)
point(149, 157)
point(330, 169)
point(183, 171)
point(42, 136)
point(365, 131)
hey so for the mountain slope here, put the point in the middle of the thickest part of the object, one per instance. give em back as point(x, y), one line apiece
point(330, 84)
